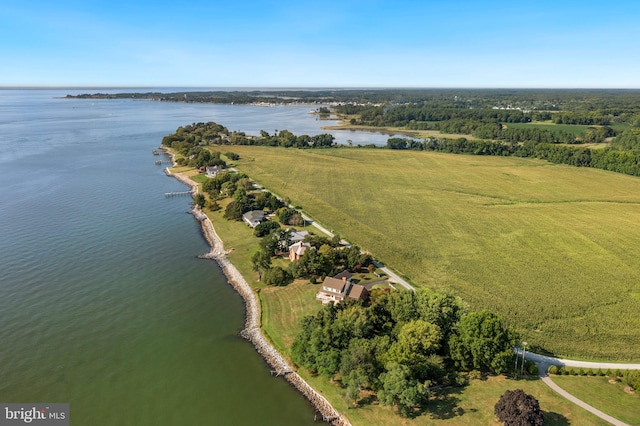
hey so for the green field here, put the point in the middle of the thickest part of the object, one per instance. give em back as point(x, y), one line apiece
point(575, 129)
point(472, 405)
point(610, 398)
point(552, 248)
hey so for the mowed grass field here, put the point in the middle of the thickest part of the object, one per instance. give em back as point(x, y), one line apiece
point(552, 248)
point(610, 398)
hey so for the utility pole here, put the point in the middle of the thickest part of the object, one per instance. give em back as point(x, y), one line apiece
point(524, 349)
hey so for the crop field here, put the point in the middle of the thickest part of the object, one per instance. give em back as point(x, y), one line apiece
point(575, 129)
point(552, 248)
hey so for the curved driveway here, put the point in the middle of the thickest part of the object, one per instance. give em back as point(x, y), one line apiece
point(543, 362)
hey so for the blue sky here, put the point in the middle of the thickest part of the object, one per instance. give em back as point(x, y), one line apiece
point(429, 43)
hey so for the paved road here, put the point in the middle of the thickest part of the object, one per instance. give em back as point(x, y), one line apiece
point(393, 277)
point(543, 362)
point(542, 371)
point(548, 360)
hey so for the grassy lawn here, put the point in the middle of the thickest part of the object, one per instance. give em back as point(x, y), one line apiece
point(283, 308)
point(606, 397)
point(552, 248)
point(472, 405)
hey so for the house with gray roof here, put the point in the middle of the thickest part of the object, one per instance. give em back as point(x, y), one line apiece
point(253, 218)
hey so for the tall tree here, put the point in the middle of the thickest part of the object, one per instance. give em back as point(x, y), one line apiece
point(482, 342)
point(416, 341)
point(401, 390)
point(261, 261)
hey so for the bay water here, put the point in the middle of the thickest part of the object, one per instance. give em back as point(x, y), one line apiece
point(103, 303)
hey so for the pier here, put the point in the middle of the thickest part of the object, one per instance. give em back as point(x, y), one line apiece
point(178, 193)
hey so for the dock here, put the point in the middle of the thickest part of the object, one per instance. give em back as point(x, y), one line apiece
point(178, 193)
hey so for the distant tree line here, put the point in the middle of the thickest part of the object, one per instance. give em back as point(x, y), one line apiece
point(621, 156)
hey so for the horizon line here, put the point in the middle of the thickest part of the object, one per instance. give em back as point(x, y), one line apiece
point(276, 87)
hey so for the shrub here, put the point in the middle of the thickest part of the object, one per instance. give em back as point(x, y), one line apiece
point(232, 156)
point(475, 375)
point(531, 368)
point(518, 408)
point(552, 370)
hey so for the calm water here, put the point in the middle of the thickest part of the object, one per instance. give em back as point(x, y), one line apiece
point(103, 303)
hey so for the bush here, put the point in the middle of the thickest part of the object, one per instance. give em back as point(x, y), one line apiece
point(475, 375)
point(232, 156)
point(552, 370)
point(518, 408)
point(531, 367)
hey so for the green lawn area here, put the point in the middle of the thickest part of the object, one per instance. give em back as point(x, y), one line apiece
point(282, 310)
point(606, 397)
point(200, 178)
point(472, 405)
point(552, 248)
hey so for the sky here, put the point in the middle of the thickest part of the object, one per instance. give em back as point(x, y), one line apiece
point(247, 43)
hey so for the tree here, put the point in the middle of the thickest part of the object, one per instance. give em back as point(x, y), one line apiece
point(355, 381)
point(416, 341)
point(517, 408)
point(277, 276)
point(443, 310)
point(402, 305)
point(233, 211)
point(265, 228)
point(482, 343)
point(400, 389)
point(199, 200)
point(261, 261)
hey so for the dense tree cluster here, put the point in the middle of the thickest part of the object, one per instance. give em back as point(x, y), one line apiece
point(401, 344)
point(323, 256)
point(189, 140)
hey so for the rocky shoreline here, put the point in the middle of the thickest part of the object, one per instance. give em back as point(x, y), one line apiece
point(251, 331)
